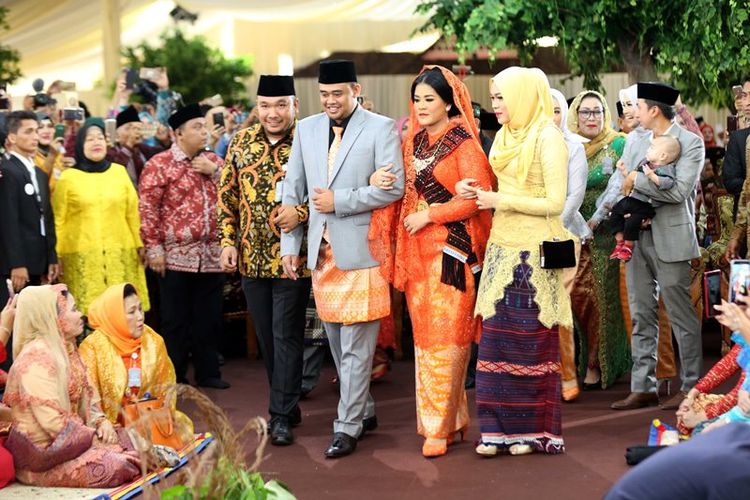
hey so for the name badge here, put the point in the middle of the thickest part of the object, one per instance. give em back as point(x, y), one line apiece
point(29, 189)
point(279, 191)
point(134, 377)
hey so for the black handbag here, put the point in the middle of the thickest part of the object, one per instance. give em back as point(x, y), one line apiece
point(557, 254)
point(637, 454)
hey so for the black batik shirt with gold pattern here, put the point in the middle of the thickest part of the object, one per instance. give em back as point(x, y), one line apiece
point(250, 198)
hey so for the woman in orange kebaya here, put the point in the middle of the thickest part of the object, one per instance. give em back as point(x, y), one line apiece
point(439, 248)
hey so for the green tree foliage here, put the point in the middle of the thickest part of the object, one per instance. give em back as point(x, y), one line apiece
point(9, 58)
point(702, 46)
point(195, 69)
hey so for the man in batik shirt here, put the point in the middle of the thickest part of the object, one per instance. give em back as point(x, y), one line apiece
point(251, 219)
point(178, 226)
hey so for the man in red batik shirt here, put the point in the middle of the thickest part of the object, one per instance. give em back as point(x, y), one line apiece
point(178, 194)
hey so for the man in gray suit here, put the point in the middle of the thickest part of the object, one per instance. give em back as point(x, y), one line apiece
point(333, 155)
point(662, 256)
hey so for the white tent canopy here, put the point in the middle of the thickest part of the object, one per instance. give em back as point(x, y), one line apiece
point(63, 39)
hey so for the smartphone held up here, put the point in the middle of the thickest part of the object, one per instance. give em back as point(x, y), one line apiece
point(218, 119)
point(11, 291)
point(739, 278)
point(711, 292)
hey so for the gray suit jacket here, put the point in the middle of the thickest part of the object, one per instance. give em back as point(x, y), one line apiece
point(673, 226)
point(370, 141)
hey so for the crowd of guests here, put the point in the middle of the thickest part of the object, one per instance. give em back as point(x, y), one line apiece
point(560, 224)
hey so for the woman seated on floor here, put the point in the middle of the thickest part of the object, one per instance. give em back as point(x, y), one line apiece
point(59, 436)
point(126, 359)
point(701, 404)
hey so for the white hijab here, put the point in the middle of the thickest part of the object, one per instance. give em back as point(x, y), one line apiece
point(629, 95)
point(559, 98)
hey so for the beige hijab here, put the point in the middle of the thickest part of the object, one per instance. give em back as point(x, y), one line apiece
point(36, 319)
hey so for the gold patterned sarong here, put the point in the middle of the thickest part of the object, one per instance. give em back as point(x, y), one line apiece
point(442, 407)
point(354, 296)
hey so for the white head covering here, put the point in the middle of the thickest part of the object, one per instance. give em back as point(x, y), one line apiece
point(630, 95)
point(569, 136)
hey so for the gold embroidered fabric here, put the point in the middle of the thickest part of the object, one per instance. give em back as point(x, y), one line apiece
point(247, 206)
point(107, 372)
point(442, 407)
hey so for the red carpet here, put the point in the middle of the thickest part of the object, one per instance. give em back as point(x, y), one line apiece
point(388, 463)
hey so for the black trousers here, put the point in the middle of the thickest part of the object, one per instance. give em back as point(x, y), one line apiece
point(191, 321)
point(630, 226)
point(278, 308)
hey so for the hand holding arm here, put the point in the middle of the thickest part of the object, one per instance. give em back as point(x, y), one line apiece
point(382, 178)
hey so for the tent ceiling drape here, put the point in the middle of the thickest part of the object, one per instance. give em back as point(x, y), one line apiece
point(62, 39)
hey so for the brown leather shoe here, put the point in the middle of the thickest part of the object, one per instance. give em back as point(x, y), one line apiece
point(674, 402)
point(636, 400)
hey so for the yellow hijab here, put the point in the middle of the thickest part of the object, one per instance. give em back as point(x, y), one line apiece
point(107, 314)
point(527, 96)
point(606, 136)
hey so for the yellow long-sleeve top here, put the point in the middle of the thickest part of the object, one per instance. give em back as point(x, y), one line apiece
point(527, 213)
point(107, 372)
point(98, 232)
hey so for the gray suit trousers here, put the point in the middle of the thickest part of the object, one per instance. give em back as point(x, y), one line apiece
point(643, 272)
point(353, 347)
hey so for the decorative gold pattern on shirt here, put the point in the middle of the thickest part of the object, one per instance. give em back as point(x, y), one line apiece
point(249, 201)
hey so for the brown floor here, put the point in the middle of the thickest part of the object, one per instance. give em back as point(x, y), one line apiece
point(388, 463)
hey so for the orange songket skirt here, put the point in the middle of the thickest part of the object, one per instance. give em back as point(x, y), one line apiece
point(355, 296)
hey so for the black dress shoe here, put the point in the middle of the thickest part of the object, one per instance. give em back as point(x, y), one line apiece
point(342, 445)
point(296, 417)
point(369, 424)
point(214, 383)
point(592, 387)
point(281, 432)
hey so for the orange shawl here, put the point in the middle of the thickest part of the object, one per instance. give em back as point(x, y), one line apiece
point(107, 313)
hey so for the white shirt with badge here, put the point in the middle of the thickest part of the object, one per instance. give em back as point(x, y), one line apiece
point(32, 188)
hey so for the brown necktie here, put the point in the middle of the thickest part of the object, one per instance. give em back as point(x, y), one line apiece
point(332, 151)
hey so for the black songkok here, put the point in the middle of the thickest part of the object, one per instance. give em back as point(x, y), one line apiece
point(127, 115)
point(658, 92)
point(185, 114)
point(276, 86)
point(337, 71)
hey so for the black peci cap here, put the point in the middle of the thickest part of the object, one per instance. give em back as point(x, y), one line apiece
point(185, 114)
point(658, 92)
point(337, 71)
point(276, 86)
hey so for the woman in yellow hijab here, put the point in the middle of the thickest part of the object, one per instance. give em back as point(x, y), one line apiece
point(596, 289)
point(521, 304)
point(124, 358)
